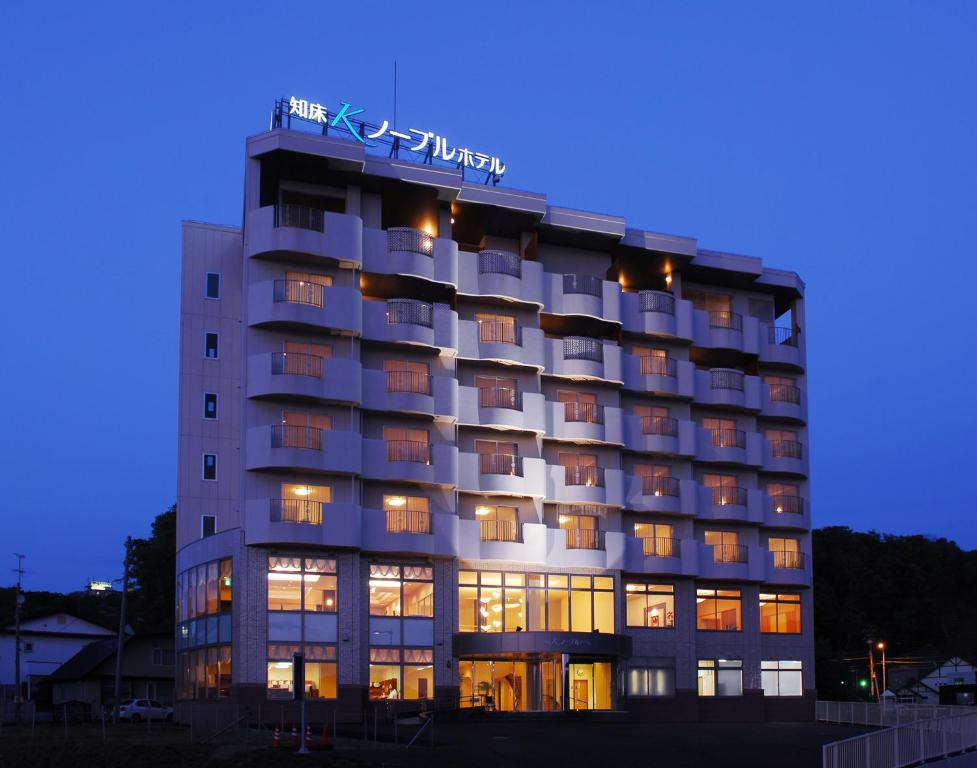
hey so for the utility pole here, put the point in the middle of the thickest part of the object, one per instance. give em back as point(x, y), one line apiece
point(18, 603)
point(122, 628)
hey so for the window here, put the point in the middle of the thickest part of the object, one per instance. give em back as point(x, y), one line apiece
point(497, 392)
point(406, 673)
point(711, 302)
point(649, 605)
point(582, 531)
point(498, 458)
point(407, 514)
point(785, 498)
point(720, 677)
point(302, 584)
point(208, 525)
point(581, 469)
point(656, 480)
point(491, 601)
point(319, 670)
point(204, 673)
point(300, 503)
point(210, 345)
point(655, 362)
point(203, 609)
point(781, 678)
point(719, 610)
point(784, 443)
point(405, 444)
point(724, 433)
point(210, 405)
point(786, 552)
point(497, 523)
point(496, 328)
point(210, 466)
point(783, 389)
point(726, 546)
point(204, 590)
point(725, 490)
point(580, 406)
point(309, 277)
point(651, 681)
point(401, 591)
point(301, 430)
point(780, 613)
point(407, 376)
point(656, 420)
point(301, 358)
point(212, 288)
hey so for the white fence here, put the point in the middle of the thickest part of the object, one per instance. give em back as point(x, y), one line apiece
point(909, 733)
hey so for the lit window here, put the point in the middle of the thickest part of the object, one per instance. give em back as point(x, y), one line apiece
point(210, 345)
point(649, 605)
point(407, 514)
point(210, 466)
point(319, 670)
point(302, 584)
point(781, 678)
point(780, 613)
point(651, 681)
point(210, 405)
point(719, 610)
point(396, 591)
point(720, 677)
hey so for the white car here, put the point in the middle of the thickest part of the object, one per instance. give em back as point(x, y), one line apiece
point(144, 709)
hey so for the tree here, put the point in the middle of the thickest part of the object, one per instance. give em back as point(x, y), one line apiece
point(154, 576)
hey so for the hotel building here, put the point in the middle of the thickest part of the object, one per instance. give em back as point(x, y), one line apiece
point(454, 443)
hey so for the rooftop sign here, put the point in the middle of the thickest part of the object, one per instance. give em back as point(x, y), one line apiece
point(427, 145)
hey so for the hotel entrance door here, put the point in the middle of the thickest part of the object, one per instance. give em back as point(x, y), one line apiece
point(534, 684)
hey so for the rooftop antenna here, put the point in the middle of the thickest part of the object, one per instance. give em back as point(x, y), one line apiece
point(395, 93)
point(18, 604)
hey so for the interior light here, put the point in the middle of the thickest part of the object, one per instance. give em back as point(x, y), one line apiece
point(396, 501)
point(301, 491)
point(780, 509)
point(700, 599)
point(668, 279)
point(452, 219)
point(284, 576)
point(564, 519)
point(481, 511)
point(329, 602)
point(384, 583)
point(483, 612)
point(496, 608)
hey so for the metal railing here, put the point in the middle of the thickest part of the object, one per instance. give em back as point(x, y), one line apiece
point(499, 263)
point(786, 449)
point(409, 450)
point(588, 284)
point(296, 511)
point(498, 331)
point(500, 464)
point(884, 715)
point(729, 495)
point(410, 240)
point(659, 485)
point(584, 538)
point(654, 365)
point(296, 364)
point(656, 301)
point(729, 553)
point(298, 292)
point(410, 311)
point(729, 320)
point(582, 348)
point(723, 378)
point(414, 382)
point(591, 413)
point(728, 438)
point(664, 426)
point(498, 530)
point(408, 521)
point(788, 559)
point(591, 476)
point(500, 397)
point(785, 336)
point(787, 504)
point(656, 546)
point(785, 393)
point(294, 436)
point(299, 216)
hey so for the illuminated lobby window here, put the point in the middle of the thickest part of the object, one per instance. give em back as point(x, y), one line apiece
point(320, 670)
point(397, 673)
point(649, 605)
point(203, 609)
point(780, 613)
point(719, 610)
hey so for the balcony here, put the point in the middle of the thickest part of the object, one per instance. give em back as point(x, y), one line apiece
point(408, 521)
point(730, 503)
point(511, 345)
point(501, 407)
point(783, 401)
point(302, 449)
point(659, 375)
point(656, 546)
point(655, 493)
point(656, 313)
point(584, 485)
point(729, 446)
point(306, 306)
point(411, 252)
point(304, 376)
point(410, 321)
point(498, 530)
point(784, 456)
point(583, 538)
point(661, 556)
point(789, 568)
point(410, 392)
point(786, 511)
point(298, 233)
point(501, 473)
point(296, 521)
point(727, 388)
point(583, 357)
point(725, 330)
point(729, 561)
point(410, 461)
point(659, 434)
point(781, 346)
point(500, 274)
point(404, 532)
point(300, 511)
point(584, 422)
point(579, 294)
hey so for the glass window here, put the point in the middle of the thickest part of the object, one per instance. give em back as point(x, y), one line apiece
point(781, 678)
point(407, 514)
point(208, 525)
point(396, 591)
point(210, 466)
point(210, 405)
point(210, 345)
point(720, 677)
point(780, 613)
point(292, 587)
point(651, 681)
point(719, 610)
point(224, 587)
point(649, 605)
point(213, 285)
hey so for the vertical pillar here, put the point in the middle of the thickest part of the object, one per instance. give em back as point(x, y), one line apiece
point(565, 680)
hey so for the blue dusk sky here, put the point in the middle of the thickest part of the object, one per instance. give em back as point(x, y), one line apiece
point(833, 139)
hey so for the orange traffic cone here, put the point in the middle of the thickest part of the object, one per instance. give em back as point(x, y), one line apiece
point(276, 739)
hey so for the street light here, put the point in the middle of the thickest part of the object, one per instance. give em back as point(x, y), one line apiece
point(881, 646)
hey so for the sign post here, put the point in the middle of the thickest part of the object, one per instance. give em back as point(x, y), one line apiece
point(298, 687)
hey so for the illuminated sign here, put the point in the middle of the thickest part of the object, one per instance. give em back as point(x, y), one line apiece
point(99, 586)
point(427, 143)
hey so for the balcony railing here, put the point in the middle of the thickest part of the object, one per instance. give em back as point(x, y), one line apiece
point(590, 476)
point(294, 436)
point(408, 521)
point(410, 240)
point(656, 301)
point(729, 320)
point(588, 284)
point(410, 311)
point(786, 449)
point(659, 485)
point(656, 546)
point(500, 397)
point(584, 538)
point(788, 559)
point(729, 553)
point(787, 504)
point(298, 292)
point(729, 496)
point(785, 393)
point(296, 364)
point(299, 216)
point(409, 450)
point(499, 263)
point(591, 413)
point(296, 511)
point(582, 348)
point(654, 365)
point(663, 426)
point(728, 438)
point(500, 464)
point(498, 530)
point(414, 382)
point(498, 331)
point(726, 379)
point(785, 336)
